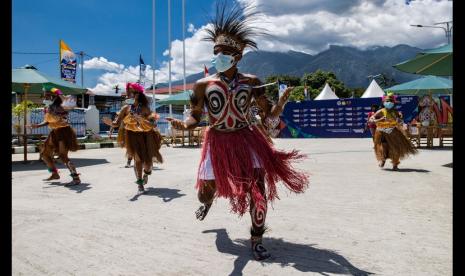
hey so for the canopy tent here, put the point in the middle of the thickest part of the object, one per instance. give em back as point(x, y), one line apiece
point(37, 79)
point(436, 62)
point(326, 94)
point(373, 91)
point(424, 86)
point(182, 98)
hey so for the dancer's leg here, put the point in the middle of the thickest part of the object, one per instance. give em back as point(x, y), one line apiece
point(128, 164)
point(48, 159)
point(206, 195)
point(63, 154)
point(258, 210)
point(138, 166)
point(147, 171)
point(395, 163)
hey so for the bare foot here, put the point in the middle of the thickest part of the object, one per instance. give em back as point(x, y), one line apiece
point(202, 212)
point(52, 177)
point(259, 252)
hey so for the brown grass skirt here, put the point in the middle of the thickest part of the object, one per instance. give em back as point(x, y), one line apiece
point(121, 136)
point(398, 146)
point(144, 146)
point(66, 136)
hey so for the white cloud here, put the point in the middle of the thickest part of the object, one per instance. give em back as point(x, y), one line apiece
point(307, 26)
point(103, 64)
point(362, 23)
point(191, 28)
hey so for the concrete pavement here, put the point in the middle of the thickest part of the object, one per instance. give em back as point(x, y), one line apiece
point(354, 219)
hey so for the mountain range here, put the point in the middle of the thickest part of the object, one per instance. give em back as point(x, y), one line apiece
point(351, 65)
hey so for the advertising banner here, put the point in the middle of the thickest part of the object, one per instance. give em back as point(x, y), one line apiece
point(339, 118)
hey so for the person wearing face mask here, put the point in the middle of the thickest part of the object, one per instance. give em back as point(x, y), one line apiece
point(238, 162)
point(390, 142)
point(141, 140)
point(61, 139)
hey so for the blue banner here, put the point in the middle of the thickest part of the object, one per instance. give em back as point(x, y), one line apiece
point(67, 63)
point(341, 118)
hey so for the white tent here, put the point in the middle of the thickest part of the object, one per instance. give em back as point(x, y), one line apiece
point(326, 94)
point(373, 91)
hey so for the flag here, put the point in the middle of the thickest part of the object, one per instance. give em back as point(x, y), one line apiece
point(205, 71)
point(281, 88)
point(142, 64)
point(141, 69)
point(67, 63)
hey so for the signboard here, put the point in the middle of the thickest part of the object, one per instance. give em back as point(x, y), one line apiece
point(67, 63)
point(339, 118)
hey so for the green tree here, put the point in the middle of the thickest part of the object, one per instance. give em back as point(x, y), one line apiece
point(18, 109)
point(297, 94)
point(316, 81)
point(272, 90)
point(357, 92)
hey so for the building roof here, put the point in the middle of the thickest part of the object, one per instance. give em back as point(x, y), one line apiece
point(174, 89)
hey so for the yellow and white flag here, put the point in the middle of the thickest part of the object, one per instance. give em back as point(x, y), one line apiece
point(67, 63)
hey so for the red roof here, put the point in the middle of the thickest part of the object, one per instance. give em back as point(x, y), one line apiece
point(174, 89)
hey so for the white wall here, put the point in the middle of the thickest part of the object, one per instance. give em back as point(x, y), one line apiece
point(92, 118)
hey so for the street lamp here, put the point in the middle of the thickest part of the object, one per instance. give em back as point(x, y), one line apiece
point(447, 29)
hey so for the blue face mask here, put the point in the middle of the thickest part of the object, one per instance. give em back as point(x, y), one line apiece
point(222, 62)
point(129, 101)
point(388, 105)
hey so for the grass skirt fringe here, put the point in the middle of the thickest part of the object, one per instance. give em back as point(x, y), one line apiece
point(143, 145)
point(65, 135)
point(232, 161)
point(398, 146)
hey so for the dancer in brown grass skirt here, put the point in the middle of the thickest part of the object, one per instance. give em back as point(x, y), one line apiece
point(390, 142)
point(61, 138)
point(120, 139)
point(141, 140)
point(238, 162)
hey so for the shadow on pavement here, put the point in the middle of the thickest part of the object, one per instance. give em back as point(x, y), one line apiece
point(165, 194)
point(77, 188)
point(17, 166)
point(412, 170)
point(305, 258)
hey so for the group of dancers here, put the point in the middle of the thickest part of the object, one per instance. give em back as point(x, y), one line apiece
point(238, 159)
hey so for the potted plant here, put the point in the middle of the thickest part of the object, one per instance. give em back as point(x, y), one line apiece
point(18, 111)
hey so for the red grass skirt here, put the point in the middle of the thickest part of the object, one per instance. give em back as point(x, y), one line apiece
point(231, 156)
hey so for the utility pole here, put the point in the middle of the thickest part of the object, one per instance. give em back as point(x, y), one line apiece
point(81, 53)
point(153, 55)
point(169, 54)
point(447, 29)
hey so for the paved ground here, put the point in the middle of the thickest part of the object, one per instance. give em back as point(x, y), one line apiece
point(355, 219)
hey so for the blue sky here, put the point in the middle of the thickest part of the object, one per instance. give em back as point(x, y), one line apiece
point(118, 30)
point(114, 32)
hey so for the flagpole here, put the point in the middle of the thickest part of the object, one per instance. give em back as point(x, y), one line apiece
point(184, 45)
point(153, 54)
point(82, 78)
point(169, 54)
point(59, 58)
